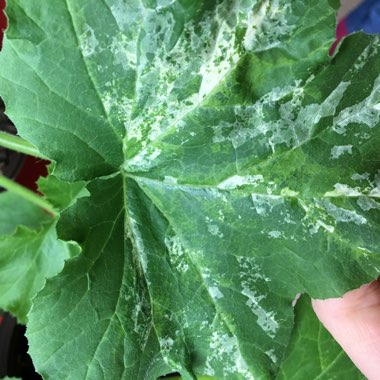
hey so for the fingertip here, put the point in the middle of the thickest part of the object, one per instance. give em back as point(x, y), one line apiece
point(354, 321)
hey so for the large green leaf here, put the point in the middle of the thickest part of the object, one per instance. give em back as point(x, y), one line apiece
point(231, 164)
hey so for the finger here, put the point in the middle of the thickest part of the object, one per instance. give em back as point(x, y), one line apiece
point(354, 321)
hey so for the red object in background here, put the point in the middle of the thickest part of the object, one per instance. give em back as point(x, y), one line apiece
point(31, 170)
point(3, 21)
point(341, 31)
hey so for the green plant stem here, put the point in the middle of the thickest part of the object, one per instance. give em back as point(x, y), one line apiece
point(19, 145)
point(27, 194)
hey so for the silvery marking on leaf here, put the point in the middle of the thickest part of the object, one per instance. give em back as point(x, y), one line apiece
point(274, 234)
point(224, 349)
point(215, 292)
point(88, 41)
point(171, 68)
point(342, 189)
point(365, 112)
point(319, 223)
point(294, 126)
point(176, 253)
point(213, 228)
point(264, 204)
point(267, 26)
point(339, 150)
point(272, 355)
point(265, 319)
point(139, 242)
point(341, 214)
point(237, 181)
point(170, 180)
point(142, 161)
point(366, 204)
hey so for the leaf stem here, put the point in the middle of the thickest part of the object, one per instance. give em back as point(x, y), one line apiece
point(27, 194)
point(19, 145)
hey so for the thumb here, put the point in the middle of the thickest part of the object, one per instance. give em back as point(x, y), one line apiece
point(354, 321)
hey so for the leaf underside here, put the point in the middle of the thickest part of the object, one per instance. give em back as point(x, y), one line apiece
point(230, 164)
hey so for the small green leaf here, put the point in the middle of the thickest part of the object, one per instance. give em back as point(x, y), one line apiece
point(28, 257)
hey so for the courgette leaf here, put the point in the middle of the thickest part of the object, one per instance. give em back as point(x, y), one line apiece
point(231, 164)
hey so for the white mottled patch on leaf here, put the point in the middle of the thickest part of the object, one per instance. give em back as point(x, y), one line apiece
point(177, 254)
point(267, 26)
point(213, 228)
point(237, 181)
point(264, 204)
point(274, 234)
point(341, 214)
point(339, 150)
point(142, 161)
point(265, 318)
point(88, 41)
point(343, 190)
point(364, 112)
point(215, 292)
point(224, 348)
point(319, 223)
point(170, 180)
point(366, 204)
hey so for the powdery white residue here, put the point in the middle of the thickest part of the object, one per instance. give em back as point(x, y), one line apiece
point(375, 192)
point(124, 51)
point(360, 177)
point(267, 25)
point(117, 104)
point(213, 228)
point(166, 346)
point(367, 203)
point(224, 349)
point(164, 3)
point(251, 271)
point(327, 227)
point(338, 150)
point(341, 214)
point(143, 161)
point(344, 190)
point(264, 204)
point(293, 127)
point(215, 293)
point(126, 14)
point(265, 319)
point(88, 41)
point(224, 56)
point(170, 180)
point(274, 234)
point(177, 254)
point(367, 53)
point(139, 242)
point(236, 181)
point(364, 112)
point(271, 355)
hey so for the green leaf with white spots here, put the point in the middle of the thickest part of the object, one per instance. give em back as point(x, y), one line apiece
point(230, 164)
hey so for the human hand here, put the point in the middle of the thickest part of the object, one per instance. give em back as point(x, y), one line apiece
point(354, 321)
